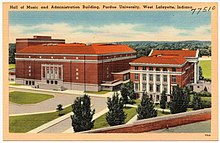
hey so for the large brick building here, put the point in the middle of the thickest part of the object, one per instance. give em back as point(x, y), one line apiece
point(164, 69)
point(48, 63)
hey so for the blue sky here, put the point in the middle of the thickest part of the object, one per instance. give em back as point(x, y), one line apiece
point(111, 26)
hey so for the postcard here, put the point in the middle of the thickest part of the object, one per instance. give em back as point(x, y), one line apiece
point(110, 71)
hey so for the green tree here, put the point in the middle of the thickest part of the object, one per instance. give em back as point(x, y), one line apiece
point(124, 93)
point(197, 103)
point(127, 92)
point(115, 115)
point(59, 108)
point(146, 108)
point(82, 114)
point(200, 73)
point(163, 101)
point(12, 51)
point(180, 100)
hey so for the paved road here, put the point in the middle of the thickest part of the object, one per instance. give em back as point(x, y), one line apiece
point(51, 104)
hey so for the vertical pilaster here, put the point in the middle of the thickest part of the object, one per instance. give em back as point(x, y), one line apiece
point(141, 80)
point(161, 81)
point(147, 81)
point(168, 83)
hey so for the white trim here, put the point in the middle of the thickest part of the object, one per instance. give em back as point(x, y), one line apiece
point(151, 52)
point(158, 65)
point(197, 53)
point(76, 61)
point(157, 72)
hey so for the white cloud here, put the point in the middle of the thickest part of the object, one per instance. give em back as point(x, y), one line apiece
point(109, 33)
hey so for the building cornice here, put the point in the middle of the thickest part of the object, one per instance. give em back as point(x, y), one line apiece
point(82, 55)
point(158, 65)
point(76, 60)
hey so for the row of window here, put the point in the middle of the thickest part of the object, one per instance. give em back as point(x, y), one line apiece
point(151, 87)
point(144, 77)
point(157, 68)
point(52, 82)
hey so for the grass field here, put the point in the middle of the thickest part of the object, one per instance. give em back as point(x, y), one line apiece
point(14, 84)
point(98, 92)
point(101, 121)
point(206, 68)
point(25, 123)
point(27, 97)
point(11, 66)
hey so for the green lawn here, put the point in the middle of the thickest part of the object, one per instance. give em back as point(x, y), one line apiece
point(202, 98)
point(11, 66)
point(101, 121)
point(98, 92)
point(206, 68)
point(27, 97)
point(25, 123)
point(14, 84)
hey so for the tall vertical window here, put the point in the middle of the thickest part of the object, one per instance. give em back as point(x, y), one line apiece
point(158, 77)
point(144, 86)
point(174, 79)
point(157, 69)
point(136, 68)
point(174, 69)
point(136, 86)
point(144, 68)
point(158, 88)
point(144, 77)
point(151, 87)
point(150, 77)
point(150, 68)
point(165, 88)
point(164, 78)
point(136, 76)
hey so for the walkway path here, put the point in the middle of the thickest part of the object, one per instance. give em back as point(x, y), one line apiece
point(60, 97)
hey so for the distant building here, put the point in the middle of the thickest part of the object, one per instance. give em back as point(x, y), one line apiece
point(164, 69)
point(48, 63)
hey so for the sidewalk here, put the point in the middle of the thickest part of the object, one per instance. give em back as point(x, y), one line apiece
point(71, 92)
point(37, 112)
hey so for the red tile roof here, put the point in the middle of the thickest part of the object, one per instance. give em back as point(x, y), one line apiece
point(161, 60)
point(184, 53)
point(77, 48)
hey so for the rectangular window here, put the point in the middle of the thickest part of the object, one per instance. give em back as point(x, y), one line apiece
point(144, 68)
point(174, 69)
point(150, 68)
point(165, 88)
point(157, 77)
point(150, 77)
point(48, 81)
point(174, 79)
point(136, 86)
point(136, 68)
point(32, 82)
point(164, 69)
point(51, 82)
point(55, 82)
point(164, 78)
point(144, 77)
point(157, 69)
point(26, 82)
point(158, 88)
point(136, 76)
point(144, 86)
point(151, 87)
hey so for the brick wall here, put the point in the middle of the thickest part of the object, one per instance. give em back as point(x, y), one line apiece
point(158, 122)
